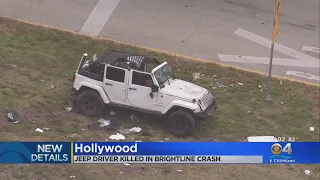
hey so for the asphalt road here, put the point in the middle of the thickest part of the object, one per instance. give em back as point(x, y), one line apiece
point(236, 32)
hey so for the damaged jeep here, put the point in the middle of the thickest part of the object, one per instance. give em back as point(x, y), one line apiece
point(123, 80)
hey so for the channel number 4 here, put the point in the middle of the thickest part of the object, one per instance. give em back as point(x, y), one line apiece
point(287, 148)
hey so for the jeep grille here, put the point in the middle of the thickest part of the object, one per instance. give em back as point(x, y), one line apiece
point(206, 99)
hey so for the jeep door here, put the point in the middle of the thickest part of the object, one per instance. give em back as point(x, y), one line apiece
point(139, 91)
point(115, 84)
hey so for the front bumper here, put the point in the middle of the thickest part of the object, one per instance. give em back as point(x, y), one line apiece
point(210, 111)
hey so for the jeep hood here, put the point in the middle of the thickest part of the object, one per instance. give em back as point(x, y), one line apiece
point(183, 89)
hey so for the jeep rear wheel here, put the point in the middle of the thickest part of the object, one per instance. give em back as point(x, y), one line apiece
point(181, 123)
point(90, 103)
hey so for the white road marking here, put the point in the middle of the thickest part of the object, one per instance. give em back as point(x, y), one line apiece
point(277, 47)
point(99, 16)
point(266, 60)
point(303, 75)
point(310, 49)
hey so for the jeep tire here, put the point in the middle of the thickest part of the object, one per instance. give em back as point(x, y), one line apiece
point(90, 103)
point(181, 123)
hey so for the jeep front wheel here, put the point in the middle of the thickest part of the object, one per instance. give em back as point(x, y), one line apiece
point(90, 103)
point(181, 123)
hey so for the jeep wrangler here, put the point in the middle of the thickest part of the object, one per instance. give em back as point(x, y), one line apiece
point(123, 80)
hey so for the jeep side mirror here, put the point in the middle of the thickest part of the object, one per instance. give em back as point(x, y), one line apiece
point(154, 88)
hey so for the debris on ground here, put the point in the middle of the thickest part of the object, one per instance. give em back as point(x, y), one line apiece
point(73, 136)
point(130, 131)
point(46, 128)
point(311, 128)
point(262, 139)
point(134, 118)
point(127, 164)
point(39, 130)
point(281, 82)
point(167, 139)
point(307, 172)
point(282, 102)
point(112, 113)
point(214, 76)
point(68, 109)
point(117, 137)
point(179, 170)
point(137, 141)
point(260, 87)
point(218, 84)
point(135, 129)
point(249, 112)
point(13, 117)
point(103, 122)
point(72, 176)
point(196, 76)
point(239, 83)
point(51, 86)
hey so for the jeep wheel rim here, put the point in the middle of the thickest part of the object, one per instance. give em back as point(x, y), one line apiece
point(180, 124)
point(89, 105)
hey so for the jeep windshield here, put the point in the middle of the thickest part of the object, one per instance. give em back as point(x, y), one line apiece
point(163, 73)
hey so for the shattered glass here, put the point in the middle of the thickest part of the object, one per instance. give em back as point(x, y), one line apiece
point(163, 74)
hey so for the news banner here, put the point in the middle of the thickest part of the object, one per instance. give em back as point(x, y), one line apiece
point(159, 152)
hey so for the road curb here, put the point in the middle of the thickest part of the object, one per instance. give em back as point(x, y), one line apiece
point(165, 52)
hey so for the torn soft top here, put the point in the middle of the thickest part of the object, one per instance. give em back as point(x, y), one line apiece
point(125, 60)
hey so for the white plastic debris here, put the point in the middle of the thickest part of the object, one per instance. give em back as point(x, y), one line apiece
point(72, 176)
point(138, 141)
point(262, 139)
point(46, 128)
point(239, 83)
point(307, 172)
point(130, 131)
point(196, 76)
point(39, 130)
point(51, 86)
point(117, 137)
point(127, 164)
point(135, 129)
point(112, 113)
point(282, 103)
point(68, 109)
point(311, 128)
point(103, 122)
point(179, 170)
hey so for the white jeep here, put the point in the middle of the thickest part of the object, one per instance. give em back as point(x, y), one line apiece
point(122, 79)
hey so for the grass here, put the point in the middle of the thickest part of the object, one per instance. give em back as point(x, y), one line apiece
point(33, 58)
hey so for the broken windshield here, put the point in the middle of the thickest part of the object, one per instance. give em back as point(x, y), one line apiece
point(163, 74)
